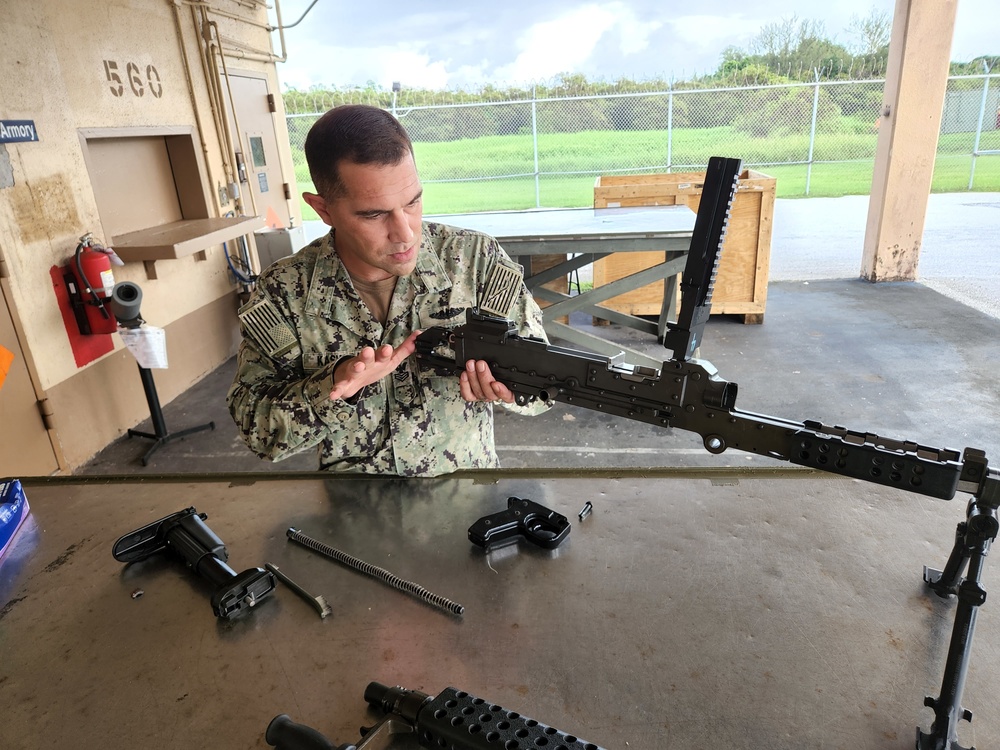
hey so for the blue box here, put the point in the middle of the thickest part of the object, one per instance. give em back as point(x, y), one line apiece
point(13, 510)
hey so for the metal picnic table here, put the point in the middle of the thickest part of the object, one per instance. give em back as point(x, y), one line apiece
point(584, 236)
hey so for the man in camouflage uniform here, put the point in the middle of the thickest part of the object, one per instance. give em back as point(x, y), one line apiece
point(328, 332)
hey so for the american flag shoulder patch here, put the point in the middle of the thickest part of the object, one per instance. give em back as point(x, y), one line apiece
point(263, 323)
point(503, 285)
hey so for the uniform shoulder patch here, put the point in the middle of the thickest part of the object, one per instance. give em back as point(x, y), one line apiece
point(263, 323)
point(503, 285)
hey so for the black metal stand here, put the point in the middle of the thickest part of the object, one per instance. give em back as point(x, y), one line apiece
point(972, 543)
point(159, 434)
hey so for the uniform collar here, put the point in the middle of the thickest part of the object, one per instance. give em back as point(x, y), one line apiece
point(331, 284)
point(430, 274)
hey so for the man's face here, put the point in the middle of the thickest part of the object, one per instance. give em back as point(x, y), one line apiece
point(377, 218)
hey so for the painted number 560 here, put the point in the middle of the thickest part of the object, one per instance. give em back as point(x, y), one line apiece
point(136, 82)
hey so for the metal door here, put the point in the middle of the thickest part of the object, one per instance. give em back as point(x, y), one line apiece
point(25, 446)
point(253, 130)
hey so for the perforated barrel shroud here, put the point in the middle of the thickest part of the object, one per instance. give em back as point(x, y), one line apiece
point(457, 720)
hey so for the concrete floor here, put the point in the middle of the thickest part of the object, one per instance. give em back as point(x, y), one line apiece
point(915, 361)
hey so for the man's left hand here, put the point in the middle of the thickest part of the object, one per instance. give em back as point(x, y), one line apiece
point(478, 384)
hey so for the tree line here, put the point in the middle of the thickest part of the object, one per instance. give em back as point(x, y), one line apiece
point(786, 52)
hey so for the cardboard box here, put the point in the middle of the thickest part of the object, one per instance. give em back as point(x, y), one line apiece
point(13, 511)
point(741, 284)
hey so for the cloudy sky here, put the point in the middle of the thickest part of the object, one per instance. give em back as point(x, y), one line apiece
point(447, 44)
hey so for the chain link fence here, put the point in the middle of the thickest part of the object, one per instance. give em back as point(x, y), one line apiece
point(483, 152)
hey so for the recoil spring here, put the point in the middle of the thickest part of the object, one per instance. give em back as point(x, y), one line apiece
point(376, 572)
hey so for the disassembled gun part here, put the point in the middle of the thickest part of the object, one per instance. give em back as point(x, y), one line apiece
point(453, 719)
point(186, 534)
point(585, 511)
point(523, 519)
point(284, 734)
point(376, 572)
point(318, 602)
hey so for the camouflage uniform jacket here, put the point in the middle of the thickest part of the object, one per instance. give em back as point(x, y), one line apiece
point(412, 422)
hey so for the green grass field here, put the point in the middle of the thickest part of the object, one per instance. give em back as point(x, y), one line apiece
point(455, 173)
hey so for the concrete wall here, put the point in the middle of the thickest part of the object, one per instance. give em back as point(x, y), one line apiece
point(60, 61)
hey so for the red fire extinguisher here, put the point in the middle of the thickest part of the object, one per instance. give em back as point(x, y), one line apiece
point(92, 273)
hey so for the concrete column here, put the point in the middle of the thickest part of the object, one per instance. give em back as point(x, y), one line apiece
point(916, 79)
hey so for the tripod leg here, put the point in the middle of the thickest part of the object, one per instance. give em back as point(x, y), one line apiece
point(161, 441)
point(945, 582)
point(979, 532)
point(160, 435)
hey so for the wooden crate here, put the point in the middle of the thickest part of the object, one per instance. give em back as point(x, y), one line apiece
point(741, 285)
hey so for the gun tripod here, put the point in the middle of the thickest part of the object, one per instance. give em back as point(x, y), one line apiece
point(160, 435)
point(973, 538)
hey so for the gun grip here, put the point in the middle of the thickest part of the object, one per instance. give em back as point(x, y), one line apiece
point(285, 734)
point(523, 519)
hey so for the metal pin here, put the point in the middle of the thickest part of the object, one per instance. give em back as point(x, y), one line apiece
point(586, 510)
point(318, 602)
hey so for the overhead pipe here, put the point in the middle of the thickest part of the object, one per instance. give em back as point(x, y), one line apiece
point(224, 14)
point(280, 28)
point(190, 84)
point(213, 101)
point(224, 76)
point(241, 51)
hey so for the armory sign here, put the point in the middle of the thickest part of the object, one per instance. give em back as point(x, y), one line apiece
point(17, 131)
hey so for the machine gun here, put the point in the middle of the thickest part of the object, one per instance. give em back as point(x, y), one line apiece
point(687, 393)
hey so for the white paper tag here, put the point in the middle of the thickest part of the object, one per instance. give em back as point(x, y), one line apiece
point(148, 345)
point(107, 281)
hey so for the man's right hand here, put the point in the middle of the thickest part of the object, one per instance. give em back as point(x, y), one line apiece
point(369, 366)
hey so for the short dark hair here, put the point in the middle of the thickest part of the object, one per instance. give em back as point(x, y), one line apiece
point(356, 133)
